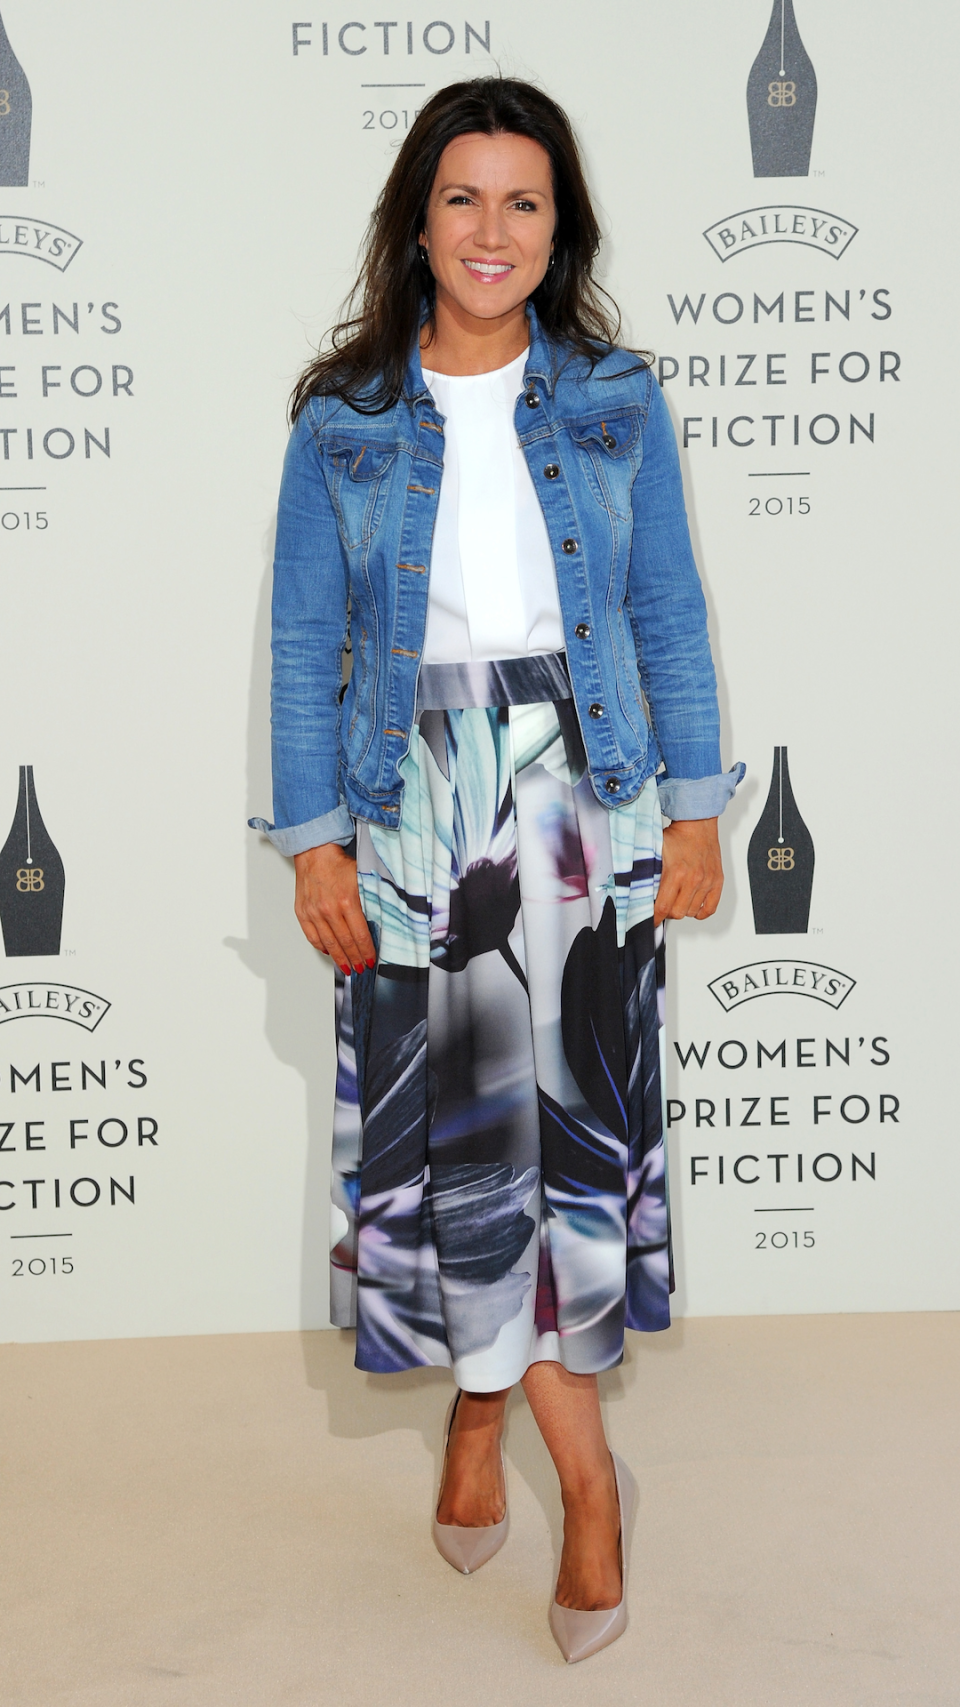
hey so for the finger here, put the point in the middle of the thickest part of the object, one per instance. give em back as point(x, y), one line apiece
point(319, 931)
point(309, 930)
point(339, 905)
point(694, 889)
point(684, 899)
point(341, 947)
point(709, 904)
point(348, 924)
point(664, 909)
point(666, 896)
point(684, 905)
point(355, 923)
point(349, 929)
point(673, 909)
point(332, 949)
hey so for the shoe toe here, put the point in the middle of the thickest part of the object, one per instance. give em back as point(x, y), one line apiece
point(467, 1549)
point(580, 1634)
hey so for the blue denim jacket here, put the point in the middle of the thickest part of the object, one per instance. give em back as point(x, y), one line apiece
point(357, 508)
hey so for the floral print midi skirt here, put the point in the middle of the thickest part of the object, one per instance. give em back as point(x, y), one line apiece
point(499, 1189)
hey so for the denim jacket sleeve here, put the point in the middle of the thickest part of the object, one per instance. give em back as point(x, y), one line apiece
point(669, 619)
point(309, 631)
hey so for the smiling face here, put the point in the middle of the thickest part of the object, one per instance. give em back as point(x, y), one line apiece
point(489, 226)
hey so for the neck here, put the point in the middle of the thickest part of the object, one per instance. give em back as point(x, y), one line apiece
point(455, 342)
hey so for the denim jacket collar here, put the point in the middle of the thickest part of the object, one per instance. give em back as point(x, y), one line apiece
point(541, 364)
point(540, 367)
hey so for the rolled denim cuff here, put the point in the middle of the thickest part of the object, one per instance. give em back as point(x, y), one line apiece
point(698, 797)
point(335, 826)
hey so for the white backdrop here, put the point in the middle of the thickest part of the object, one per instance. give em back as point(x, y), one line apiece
point(213, 185)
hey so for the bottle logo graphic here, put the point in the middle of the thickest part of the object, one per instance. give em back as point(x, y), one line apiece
point(31, 879)
point(782, 100)
point(16, 109)
point(780, 859)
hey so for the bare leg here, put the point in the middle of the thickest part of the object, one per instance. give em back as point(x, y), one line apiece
point(472, 1493)
point(567, 1412)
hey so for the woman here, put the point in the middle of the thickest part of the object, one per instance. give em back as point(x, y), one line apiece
point(481, 497)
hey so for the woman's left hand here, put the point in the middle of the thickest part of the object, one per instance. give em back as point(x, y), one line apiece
point(692, 879)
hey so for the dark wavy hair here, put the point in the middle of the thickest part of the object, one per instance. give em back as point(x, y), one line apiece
point(366, 362)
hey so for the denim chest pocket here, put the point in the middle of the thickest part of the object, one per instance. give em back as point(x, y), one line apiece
point(610, 449)
point(357, 485)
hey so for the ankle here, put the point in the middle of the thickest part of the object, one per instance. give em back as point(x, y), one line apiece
point(588, 1484)
point(479, 1413)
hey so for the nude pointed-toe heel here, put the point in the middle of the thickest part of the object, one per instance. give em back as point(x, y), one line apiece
point(580, 1634)
point(466, 1549)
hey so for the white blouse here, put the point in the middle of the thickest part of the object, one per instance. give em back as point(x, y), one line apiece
point(493, 581)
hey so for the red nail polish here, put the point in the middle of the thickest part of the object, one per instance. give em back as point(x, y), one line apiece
point(344, 969)
point(372, 962)
point(359, 966)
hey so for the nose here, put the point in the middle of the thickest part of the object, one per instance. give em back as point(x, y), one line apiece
point(491, 230)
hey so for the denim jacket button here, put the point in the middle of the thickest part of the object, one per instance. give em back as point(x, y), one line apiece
point(611, 785)
point(569, 546)
point(551, 471)
point(596, 710)
point(582, 631)
point(609, 441)
point(532, 400)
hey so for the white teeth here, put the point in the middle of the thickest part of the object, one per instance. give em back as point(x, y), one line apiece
point(488, 267)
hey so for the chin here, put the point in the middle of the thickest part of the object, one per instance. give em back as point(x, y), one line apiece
point(485, 306)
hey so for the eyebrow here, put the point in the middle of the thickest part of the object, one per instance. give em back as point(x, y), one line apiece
point(474, 190)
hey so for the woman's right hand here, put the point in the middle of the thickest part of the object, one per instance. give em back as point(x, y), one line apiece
point(327, 905)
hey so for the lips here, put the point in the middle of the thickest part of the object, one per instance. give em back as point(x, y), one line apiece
point(488, 272)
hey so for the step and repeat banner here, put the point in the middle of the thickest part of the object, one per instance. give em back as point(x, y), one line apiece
point(183, 191)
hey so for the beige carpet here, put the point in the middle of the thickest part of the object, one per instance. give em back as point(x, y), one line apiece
point(244, 1521)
